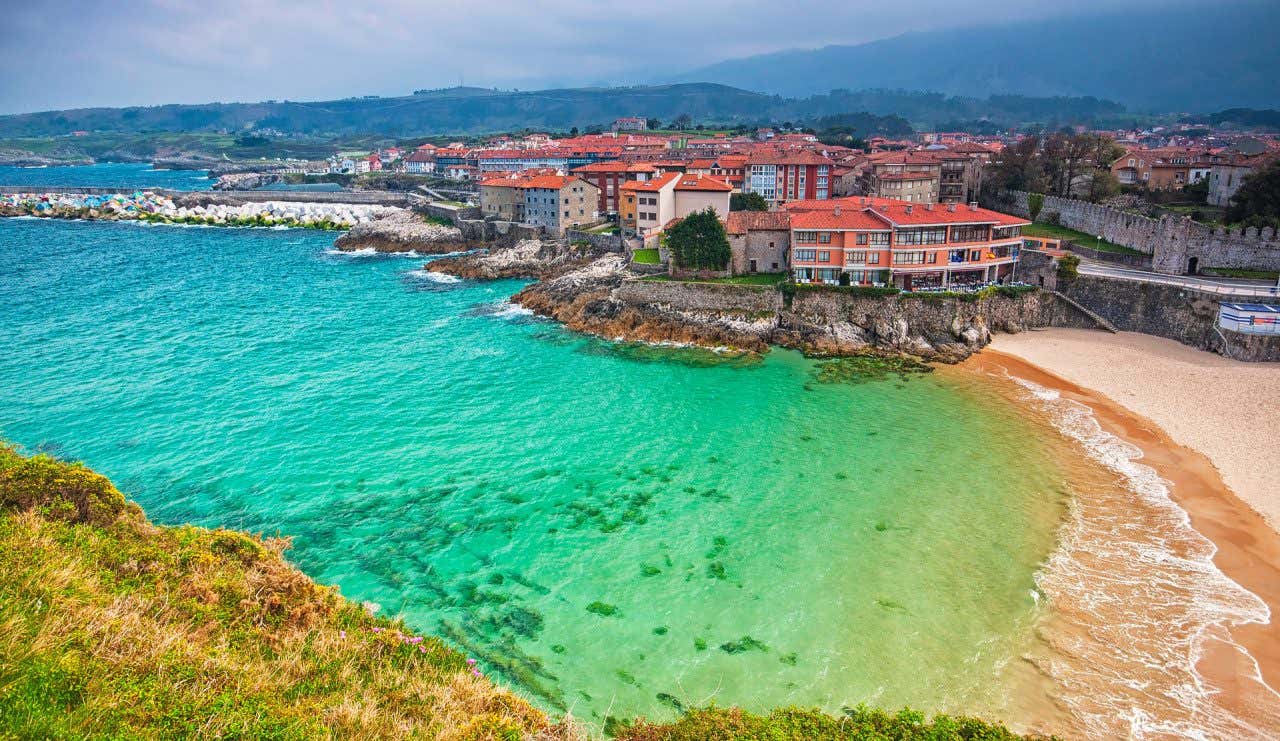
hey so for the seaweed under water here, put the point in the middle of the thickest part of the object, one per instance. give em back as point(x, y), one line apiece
point(867, 368)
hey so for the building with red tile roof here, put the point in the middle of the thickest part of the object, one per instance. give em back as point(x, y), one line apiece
point(880, 241)
point(646, 207)
point(787, 175)
point(609, 177)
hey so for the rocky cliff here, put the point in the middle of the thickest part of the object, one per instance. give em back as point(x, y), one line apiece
point(604, 299)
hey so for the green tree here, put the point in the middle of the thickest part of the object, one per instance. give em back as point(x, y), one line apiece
point(653, 123)
point(682, 122)
point(1257, 202)
point(699, 242)
point(748, 202)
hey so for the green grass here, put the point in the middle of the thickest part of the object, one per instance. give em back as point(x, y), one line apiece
point(1084, 240)
point(647, 256)
point(112, 627)
point(753, 279)
point(1238, 273)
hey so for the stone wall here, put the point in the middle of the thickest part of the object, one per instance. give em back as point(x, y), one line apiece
point(713, 297)
point(1174, 312)
point(598, 242)
point(833, 321)
point(1172, 242)
point(452, 213)
point(767, 247)
point(501, 233)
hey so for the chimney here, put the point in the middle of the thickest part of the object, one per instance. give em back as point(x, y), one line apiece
point(973, 205)
point(864, 201)
point(836, 211)
point(951, 207)
point(928, 207)
point(910, 208)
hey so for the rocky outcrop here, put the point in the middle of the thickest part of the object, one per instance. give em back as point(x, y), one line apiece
point(23, 158)
point(403, 231)
point(528, 258)
point(246, 180)
point(604, 299)
point(588, 299)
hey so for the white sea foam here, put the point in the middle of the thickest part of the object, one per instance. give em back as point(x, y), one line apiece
point(508, 310)
point(434, 277)
point(1144, 599)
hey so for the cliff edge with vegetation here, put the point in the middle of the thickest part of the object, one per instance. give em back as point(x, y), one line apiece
point(111, 626)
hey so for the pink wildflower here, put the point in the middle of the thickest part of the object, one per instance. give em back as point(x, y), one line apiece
point(471, 662)
point(342, 634)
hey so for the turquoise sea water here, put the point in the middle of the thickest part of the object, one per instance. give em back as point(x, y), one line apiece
point(759, 538)
point(128, 175)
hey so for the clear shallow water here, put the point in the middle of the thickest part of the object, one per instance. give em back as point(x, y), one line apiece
point(489, 476)
point(108, 175)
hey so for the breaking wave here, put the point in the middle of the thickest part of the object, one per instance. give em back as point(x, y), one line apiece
point(1136, 601)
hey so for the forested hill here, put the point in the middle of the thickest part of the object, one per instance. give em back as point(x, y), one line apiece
point(451, 110)
point(477, 110)
point(1199, 57)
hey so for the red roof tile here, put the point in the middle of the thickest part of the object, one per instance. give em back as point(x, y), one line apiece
point(740, 222)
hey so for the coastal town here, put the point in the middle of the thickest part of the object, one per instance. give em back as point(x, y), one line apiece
point(664, 372)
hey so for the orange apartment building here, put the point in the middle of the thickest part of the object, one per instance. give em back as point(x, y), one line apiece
point(913, 246)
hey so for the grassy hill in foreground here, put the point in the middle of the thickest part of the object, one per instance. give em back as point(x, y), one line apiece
point(111, 626)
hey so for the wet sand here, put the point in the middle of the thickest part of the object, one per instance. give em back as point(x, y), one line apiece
point(1239, 666)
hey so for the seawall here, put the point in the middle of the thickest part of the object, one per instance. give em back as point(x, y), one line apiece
point(830, 321)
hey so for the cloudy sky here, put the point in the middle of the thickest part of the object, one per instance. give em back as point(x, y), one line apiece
point(140, 52)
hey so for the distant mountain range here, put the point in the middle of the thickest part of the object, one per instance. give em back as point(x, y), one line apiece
point(1053, 72)
point(450, 110)
point(477, 110)
point(1173, 58)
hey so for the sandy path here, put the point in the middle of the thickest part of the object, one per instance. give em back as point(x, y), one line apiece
point(1225, 409)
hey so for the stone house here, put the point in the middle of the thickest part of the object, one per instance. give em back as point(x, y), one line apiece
point(559, 202)
point(759, 240)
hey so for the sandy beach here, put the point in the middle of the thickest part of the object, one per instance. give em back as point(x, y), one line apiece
point(1207, 426)
point(1222, 408)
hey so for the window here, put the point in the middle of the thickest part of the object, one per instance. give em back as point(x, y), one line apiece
point(968, 234)
point(915, 257)
point(828, 274)
point(824, 237)
point(862, 239)
point(934, 235)
point(855, 258)
point(873, 258)
point(975, 255)
point(933, 258)
point(806, 255)
point(807, 237)
point(824, 256)
point(880, 238)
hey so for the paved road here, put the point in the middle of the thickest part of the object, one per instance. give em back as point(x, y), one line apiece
point(1227, 286)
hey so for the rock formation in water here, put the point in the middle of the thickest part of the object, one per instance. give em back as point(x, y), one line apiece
point(245, 180)
point(403, 231)
point(529, 258)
